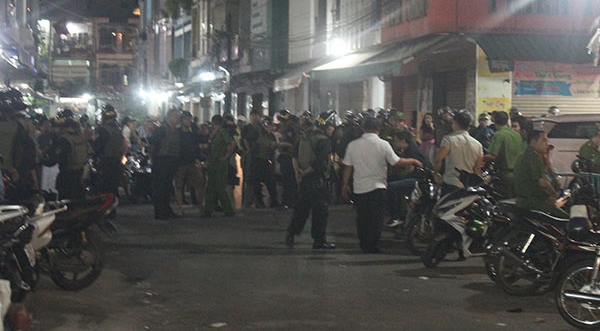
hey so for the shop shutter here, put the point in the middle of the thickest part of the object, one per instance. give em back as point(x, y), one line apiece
point(538, 105)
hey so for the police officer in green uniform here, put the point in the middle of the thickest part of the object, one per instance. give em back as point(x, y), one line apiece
point(262, 163)
point(109, 148)
point(533, 188)
point(71, 153)
point(312, 159)
point(396, 122)
point(590, 151)
point(290, 133)
point(222, 146)
point(505, 147)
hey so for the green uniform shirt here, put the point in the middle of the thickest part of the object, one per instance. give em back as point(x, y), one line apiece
point(589, 150)
point(507, 145)
point(530, 167)
point(218, 145)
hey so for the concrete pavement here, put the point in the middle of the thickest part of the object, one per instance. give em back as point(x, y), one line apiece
point(236, 274)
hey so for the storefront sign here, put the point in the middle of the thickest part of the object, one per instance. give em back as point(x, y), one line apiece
point(557, 79)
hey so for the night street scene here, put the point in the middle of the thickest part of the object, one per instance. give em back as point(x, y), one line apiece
point(299, 165)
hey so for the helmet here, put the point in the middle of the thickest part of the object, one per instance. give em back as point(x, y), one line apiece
point(353, 117)
point(328, 118)
point(283, 115)
point(266, 121)
point(64, 117)
point(553, 111)
point(229, 120)
point(12, 99)
point(39, 119)
point(514, 112)
point(397, 115)
point(383, 113)
point(108, 113)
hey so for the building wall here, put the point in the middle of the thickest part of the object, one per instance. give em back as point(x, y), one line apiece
point(437, 16)
point(302, 32)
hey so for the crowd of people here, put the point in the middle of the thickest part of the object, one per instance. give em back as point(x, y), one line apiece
point(302, 161)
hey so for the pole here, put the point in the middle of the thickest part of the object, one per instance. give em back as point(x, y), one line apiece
point(227, 109)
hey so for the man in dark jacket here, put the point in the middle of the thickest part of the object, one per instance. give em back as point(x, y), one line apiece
point(312, 157)
point(109, 148)
point(189, 166)
point(71, 154)
point(165, 146)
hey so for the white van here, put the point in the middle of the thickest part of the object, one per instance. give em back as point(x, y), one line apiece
point(567, 133)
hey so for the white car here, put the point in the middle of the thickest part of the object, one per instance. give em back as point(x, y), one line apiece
point(567, 133)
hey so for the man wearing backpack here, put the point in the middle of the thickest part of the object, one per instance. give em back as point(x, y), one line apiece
point(71, 153)
point(312, 162)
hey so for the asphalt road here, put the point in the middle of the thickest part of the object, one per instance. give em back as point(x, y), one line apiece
point(236, 274)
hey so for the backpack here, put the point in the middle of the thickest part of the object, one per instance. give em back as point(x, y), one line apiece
point(306, 150)
point(114, 146)
point(79, 151)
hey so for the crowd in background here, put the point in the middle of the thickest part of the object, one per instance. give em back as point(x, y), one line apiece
point(198, 162)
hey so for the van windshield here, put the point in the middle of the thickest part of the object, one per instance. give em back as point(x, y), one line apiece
point(573, 130)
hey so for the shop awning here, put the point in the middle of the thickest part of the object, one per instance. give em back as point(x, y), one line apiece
point(387, 60)
point(293, 78)
point(534, 47)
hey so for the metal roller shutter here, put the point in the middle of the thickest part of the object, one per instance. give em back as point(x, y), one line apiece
point(538, 105)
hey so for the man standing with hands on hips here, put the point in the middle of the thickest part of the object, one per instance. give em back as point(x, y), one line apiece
point(368, 158)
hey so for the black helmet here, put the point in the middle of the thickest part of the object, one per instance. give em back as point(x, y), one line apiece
point(108, 113)
point(229, 120)
point(267, 121)
point(328, 118)
point(384, 113)
point(12, 99)
point(64, 117)
point(353, 117)
point(283, 115)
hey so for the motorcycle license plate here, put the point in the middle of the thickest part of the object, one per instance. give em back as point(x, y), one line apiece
point(30, 254)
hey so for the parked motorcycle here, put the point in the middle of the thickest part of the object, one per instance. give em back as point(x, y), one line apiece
point(75, 256)
point(65, 246)
point(467, 220)
point(137, 178)
point(419, 226)
point(15, 234)
point(578, 288)
point(531, 254)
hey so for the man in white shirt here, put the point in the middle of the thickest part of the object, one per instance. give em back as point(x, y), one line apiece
point(367, 158)
point(458, 150)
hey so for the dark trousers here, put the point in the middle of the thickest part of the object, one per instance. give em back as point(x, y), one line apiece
point(111, 172)
point(216, 188)
point(262, 172)
point(69, 184)
point(163, 171)
point(313, 195)
point(369, 220)
point(288, 180)
point(396, 189)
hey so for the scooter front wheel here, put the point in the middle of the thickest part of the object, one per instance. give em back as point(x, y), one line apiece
point(441, 246)
point(419, 230)
point(79, 263)
point(578, 296)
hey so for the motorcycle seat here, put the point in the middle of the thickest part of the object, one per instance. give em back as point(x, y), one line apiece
point(560, 223)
